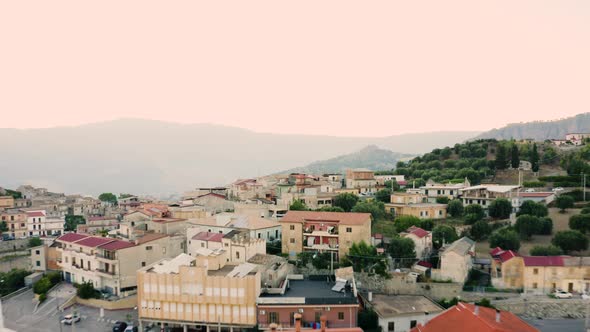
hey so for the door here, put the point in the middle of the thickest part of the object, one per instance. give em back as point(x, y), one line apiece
point(68, 277)
point(570, 287)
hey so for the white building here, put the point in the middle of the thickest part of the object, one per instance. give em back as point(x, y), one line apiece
point(400, 313)
point(456, 261)
point(422, 240)
point(256, 227)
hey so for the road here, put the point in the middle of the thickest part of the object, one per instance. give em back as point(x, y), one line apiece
point(20, 314)
point(558, 325)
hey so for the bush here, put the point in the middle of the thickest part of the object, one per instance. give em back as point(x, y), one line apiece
point(442, 200)
point(34, 242)
point(549, 250)
point(500, 208)
point(476, 211)
point(576, 195)
point(564, 202)
point(42, 286)
point(580, 222)
point(506, 239)
point(42, 297)
point(533, 184)
point(585, 210)
point(533, 208)
point(455, 208)
point(570, 240)
point(480, 230)
point(86, 291)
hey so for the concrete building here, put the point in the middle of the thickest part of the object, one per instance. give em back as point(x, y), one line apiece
point(456, 260)
point(38, 224)
point(422, 240)
point(451, 190)
point(362, 179)
point(238, 246)
point(198, 291)
point(273, 269)
point(256, 227)
point(6, 202)
point(485, 194)
point(414, 204)
point(95, 225)
point(400, 313)
point(324, 231)
point(16, 221)
point(537, 197)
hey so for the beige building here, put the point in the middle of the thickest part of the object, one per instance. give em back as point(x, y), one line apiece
point(256, 227)
point(238, 246)
point(456, 260)
point(16, 221)
point(450, 190)
point(194, 292)
point(361, 179)
point(485, 194)
point(422, 240)
point(324, 231)
point(414, 204)
point(6, 202)
point(111, 264)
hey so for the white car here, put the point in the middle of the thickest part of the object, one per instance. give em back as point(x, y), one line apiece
point(530, 190)
point(70, 319)
point(558, 189)
point(562, 294)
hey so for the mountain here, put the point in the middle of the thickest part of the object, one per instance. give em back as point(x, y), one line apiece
point(154, 157)
point(371, 157)
point(541, 130)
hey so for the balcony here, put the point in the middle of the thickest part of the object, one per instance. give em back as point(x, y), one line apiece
point(321, 247)
point(107, 258)
point(104, 273)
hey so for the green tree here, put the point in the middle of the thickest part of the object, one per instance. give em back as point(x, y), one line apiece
point(514, 156)
point(546, 226)
point(533, 208)
point(402, 250)
point(455, 208)
point(506, 239)
point(108, 197)
point(42, 286)
point(564, 202)
point(570, 240)
point(392, 185)
point(384, 195)
point(580, 222)
point(72, 221)
point(298, 205)
point(331, 209)
point(501, 157)
point(364, 257)
point(473, 213)
point(443, 234)
point(368, 320)
point(500, 208)
point(387, 228)
point(549, 250)
point(534, 158)
point(375, 208)
point(3, 227)
point(442, 200)
point(34, 242)
point(480, 230)
point(86, 291)
point(346, 201)
point(527, 225)
point(404, 222)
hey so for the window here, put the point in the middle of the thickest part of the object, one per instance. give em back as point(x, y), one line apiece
point(237, 255)
point(348, 229)
point(535, 285)
point(412, 324)
point(291, 240)
point(341, 315)
point(37, 252)
point(391, 326)
point(259, 235)
point(142, 263)
point(148, 248)
point(535, 271)
point(273, 317)
point(164, 250)
point(38, 263)
point(292, 227)
point(202, 245)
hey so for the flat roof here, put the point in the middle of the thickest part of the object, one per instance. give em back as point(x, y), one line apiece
point(314, 292)
point(396, 305)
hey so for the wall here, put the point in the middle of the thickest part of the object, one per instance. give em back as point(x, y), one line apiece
point(402, 323)
point(6, 246)
point(18, 262)
point(124, 303)
point(392, 286)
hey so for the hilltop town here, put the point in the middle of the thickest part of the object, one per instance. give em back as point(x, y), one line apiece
point(484, 234)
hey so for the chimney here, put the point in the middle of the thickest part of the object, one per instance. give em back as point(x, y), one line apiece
point(498, 316)
point(273, 327)
point(297, 322)
point(476, 311)
point(323, 320)
point(370, 297)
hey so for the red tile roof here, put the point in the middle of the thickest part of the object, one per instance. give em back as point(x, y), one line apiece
point(462, 318)
point(206, 236)
point(425, 264)
point(35, 214)
point(419, 232)
point(71, 237)
point(117, 245)
point(94, 241)
point(345, 218)
point(543, 260)
point(496, 251)
point(502, 255)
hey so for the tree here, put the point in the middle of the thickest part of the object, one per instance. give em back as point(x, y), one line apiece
point(473, 213)
point(34, 242)
point(42, 286)
point(443, 234)
point(384, 195)
point(346, 201)
point(480, 230)
point(514, 156)
point(368, 320)
point(570, 240)
point(501, 157)
point(506, 239)
point(402, 250)
point(364, 257)
point(298, 205)
point(392, 185)
point(527, 225)
point(72, 221)
point(3, 227)
point(375, 208)
point(546, 227)
point(442, 200)
point(387, 228)
point(549, 250)
point(533, 208)
point(86, 291)
point(580, 222)
point(455, 208)
point(534, 158)
point(108, 197)
point(500, 208)
point(331, 209)
point(404, 222)
point(564, 202)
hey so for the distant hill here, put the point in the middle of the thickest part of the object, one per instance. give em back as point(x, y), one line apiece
point(160, 158)
point(371, 157)
point(541, 130)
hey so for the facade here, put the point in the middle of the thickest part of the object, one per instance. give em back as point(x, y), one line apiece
point(111, 264)
point(245, 189)
point(38, 224)
point(422, 240)
point(485, 194)
point(238, 246)
point(190, 291)
point(456, 260)
point(312, 299)
point(537, 197)
point(414, 204)
point(16, 221)
point(45, 258)
point(400, 313)
point(577, 138)
point(361, 179)
point(214, 203)
point(451, 191)
point(97, 224)
point(256, 227)
point(273, 269)
point(6, 202)
point(324, 231)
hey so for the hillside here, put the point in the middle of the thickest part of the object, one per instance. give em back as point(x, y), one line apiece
point(540, 130)
point(154, 157)
point(371, 157)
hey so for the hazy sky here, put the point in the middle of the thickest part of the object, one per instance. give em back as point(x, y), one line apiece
point(354, 68)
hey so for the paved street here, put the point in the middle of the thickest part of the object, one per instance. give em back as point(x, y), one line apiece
point(558, 325)
point(20, 314)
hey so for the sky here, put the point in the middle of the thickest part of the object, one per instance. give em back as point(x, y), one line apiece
point(344, 68)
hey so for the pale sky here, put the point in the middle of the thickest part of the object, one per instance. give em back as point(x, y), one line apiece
point(345, 68)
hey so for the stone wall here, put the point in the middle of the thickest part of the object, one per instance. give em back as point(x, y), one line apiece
point(545, 308)
point(18, 244)
point(396, 286)
point(124, 303)
point(17, 262)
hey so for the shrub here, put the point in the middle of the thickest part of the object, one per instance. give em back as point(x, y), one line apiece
point(585, 210)
point(480, 230)
point(549, 250)
point(570, 240)
point(500, 208)
point(42, 286)
point(580, 222)
point(442, 200)
point(476, 210)
point(533, 208)
point(506, 239)
point(533, 184)
point(34, 242)
point(86, 291)
point(455, 208)
point(564, 202)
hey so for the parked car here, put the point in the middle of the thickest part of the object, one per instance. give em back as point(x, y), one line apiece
point(558, 189)
point(530, 190)
point(562, 294)
point(119, 326)
point(70, 319)
point(131, 328)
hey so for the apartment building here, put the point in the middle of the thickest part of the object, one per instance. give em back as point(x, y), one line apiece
point(451, 191)
point(238, 246)
point(456, 260)
point(6, 202)
point(362, 179)
point(16, 221)
point(199, 291)
point(415, 204)
point(95, 225)
point(324, 231)
point(111, 264)
point(422, 240)
point(256, 227)
point(485, 194)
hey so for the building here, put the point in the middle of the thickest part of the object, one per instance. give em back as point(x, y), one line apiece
point(414, 204)
point(312, 299)
point(111, 264)
point(577, 138)
point(456, 260)
point(466, 317)
point(362, 179)
point(273, 269)
point(16, 221)
point(451, 190)
point(6, 202)
point(422, 240)
point(45, 258)
point(38, 224)
point(324, 231)
point(381, 179)
point(400, 313)
point(213, 203)
point(95, 225)
point(537, 197)
point(198, 291)
point(244, 189)
point(256, 227)
point(238, 246)
point(485, 194)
